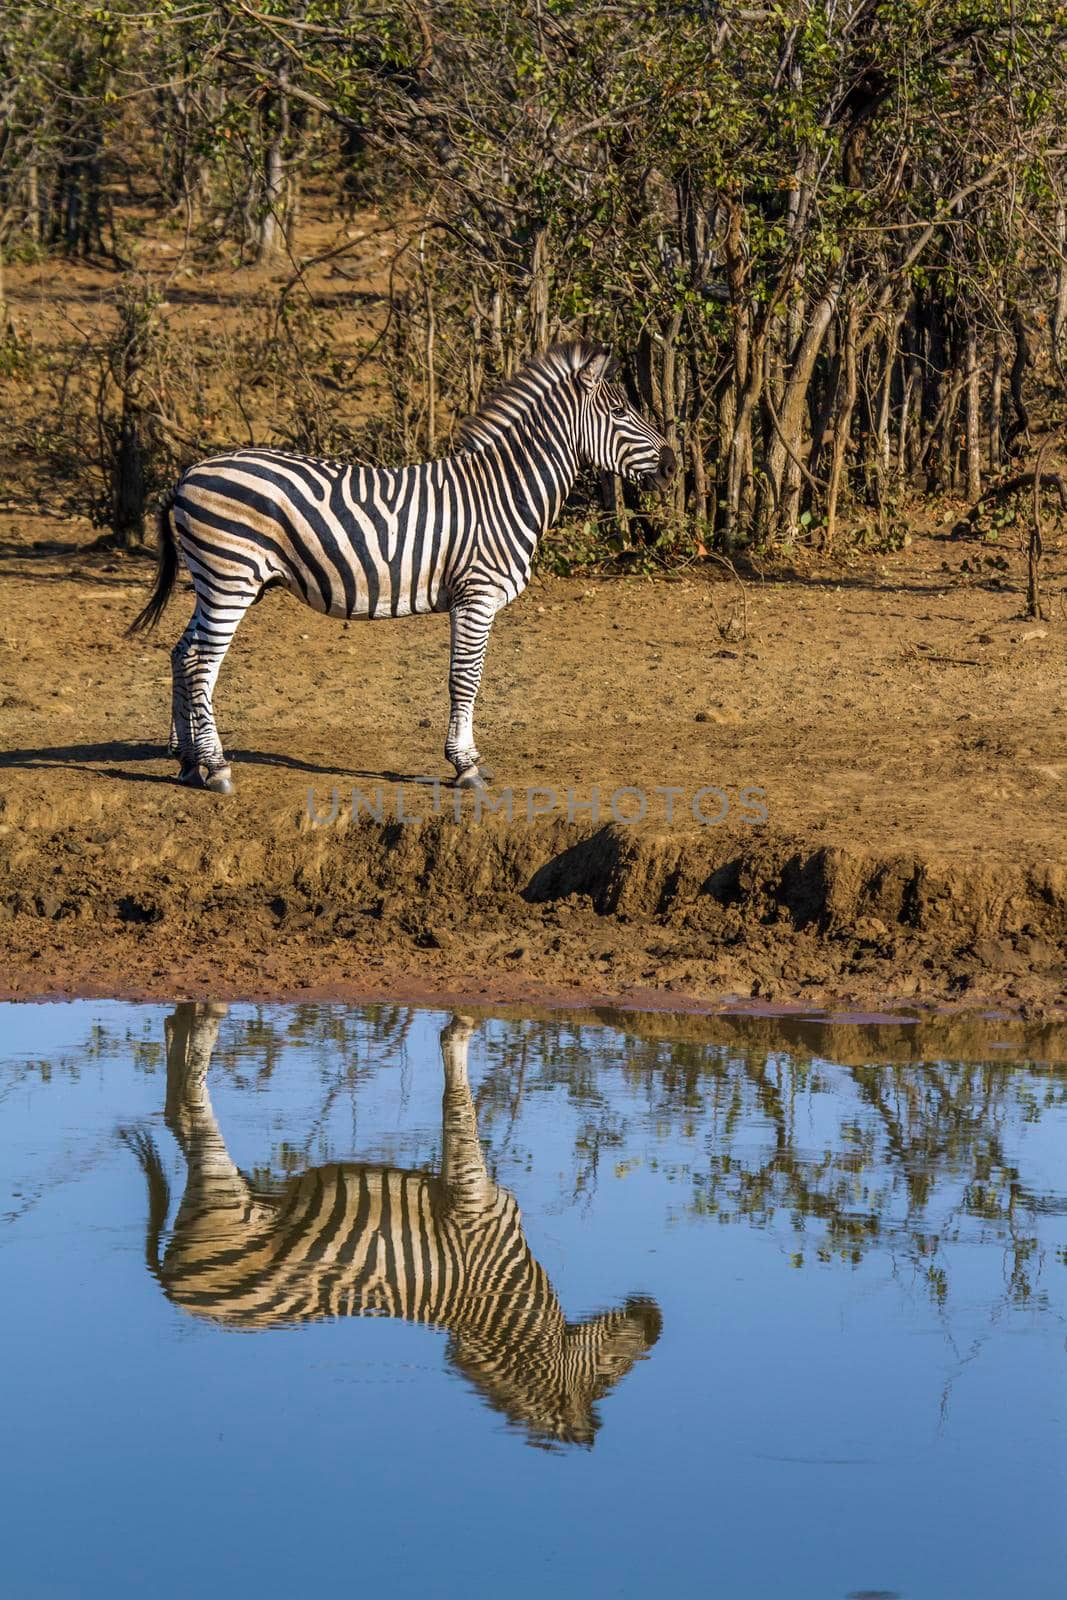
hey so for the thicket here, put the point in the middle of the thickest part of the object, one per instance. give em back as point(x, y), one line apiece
point(829, 237)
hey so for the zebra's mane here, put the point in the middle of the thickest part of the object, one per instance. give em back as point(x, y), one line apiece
point(507, 406)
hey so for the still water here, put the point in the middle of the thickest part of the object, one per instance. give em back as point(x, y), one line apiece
point(324, 1299)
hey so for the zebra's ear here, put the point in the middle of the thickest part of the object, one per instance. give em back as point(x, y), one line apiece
point(600, 366)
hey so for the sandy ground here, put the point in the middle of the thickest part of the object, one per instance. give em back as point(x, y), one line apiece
point(905, 728)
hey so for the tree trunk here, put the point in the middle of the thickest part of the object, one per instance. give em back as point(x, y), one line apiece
point(739, 469)
point(883, 452)
point(128, 485)
point(786, 439)
point(1058, 326)
point(272, 222)
point(669, 383)
point(1021, 426)
point(539, 291)
point(842, 424)
point(735, 409)
point(614, 503)
point(996, 385)
point(973, 418)
point(33, 203)
point(700, 482)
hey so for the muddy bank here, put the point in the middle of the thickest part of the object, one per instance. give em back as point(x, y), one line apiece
point(175, 898)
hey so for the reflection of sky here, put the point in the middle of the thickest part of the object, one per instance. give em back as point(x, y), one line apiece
point(35, 1032)
point(795, 1432)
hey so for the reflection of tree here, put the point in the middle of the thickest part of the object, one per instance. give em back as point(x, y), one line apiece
point(905, 1156)
point(103, 1044)
point(255, 1043)
point(749, 1117)
point(344, 1045)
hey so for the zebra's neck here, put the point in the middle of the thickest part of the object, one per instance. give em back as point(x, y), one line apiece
point(528, 469)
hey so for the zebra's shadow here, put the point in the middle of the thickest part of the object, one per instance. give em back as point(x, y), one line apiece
point(446, 1250)
point(81, 758)
point(268, 758)
point(95, 760)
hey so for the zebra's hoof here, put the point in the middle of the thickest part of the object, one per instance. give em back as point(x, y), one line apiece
point(190, 775)
point(219, 781)
point(471, 778)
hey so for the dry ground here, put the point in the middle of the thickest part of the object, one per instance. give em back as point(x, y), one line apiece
point(907, 728)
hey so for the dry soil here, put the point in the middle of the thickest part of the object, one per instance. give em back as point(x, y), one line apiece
point(905, 727)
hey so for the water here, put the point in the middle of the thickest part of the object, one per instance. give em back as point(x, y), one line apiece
point(785, 1312)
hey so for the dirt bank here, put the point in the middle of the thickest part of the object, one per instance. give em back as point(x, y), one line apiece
point(906, 730)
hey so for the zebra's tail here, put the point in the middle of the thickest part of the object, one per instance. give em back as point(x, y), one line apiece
point(144, 1148)
point(167, 572)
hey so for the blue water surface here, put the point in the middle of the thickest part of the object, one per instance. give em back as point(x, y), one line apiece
point(856, 1266)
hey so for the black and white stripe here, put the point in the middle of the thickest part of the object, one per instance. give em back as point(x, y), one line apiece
point(456, 535)
point(347, 1240)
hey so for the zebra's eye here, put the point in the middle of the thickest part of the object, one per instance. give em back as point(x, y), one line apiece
point(619, 409)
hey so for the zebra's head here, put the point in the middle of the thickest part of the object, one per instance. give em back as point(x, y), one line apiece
point(548, 1377)
point(612, 435)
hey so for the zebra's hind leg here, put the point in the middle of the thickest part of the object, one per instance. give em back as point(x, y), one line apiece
point(197, 657)
point(174, 743)
point(472, 619)
point(181, 725)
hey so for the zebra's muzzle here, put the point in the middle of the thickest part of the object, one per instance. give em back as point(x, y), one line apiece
point(665, 471)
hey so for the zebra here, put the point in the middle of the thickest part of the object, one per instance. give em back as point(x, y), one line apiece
point(457, 534)
point(350, 1240)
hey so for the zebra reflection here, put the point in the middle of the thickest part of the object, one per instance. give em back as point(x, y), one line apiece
point(349, 1240)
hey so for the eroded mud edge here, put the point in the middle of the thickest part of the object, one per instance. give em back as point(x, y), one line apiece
point(501, 912)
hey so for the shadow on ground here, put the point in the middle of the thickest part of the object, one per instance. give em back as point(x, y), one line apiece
point(96, 759)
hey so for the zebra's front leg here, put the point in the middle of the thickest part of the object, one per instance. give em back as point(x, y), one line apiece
point(471, 620)
point(464, 1174)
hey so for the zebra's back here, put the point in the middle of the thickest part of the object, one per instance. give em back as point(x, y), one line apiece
point(351, 541)
point(344, 1241)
